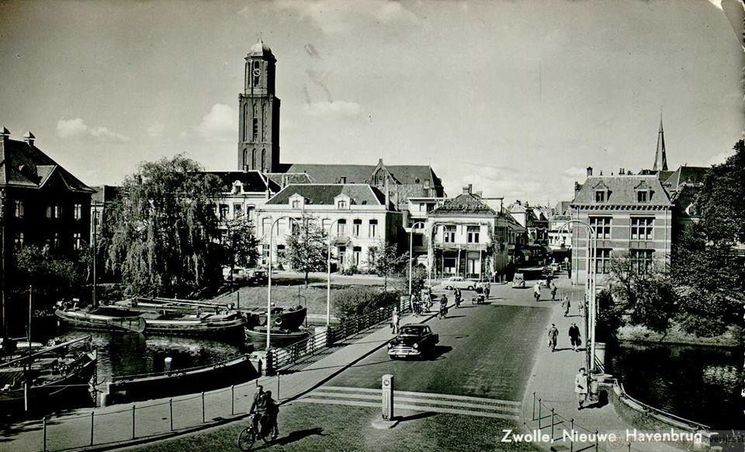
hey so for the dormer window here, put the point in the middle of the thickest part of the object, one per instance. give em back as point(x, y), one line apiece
point(341, 204)
point(600, 195)
point(296, 201)
point(642, 196)
point(643, 192)
point(602, 192)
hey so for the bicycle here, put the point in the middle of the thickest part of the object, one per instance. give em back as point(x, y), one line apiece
point(249, 435)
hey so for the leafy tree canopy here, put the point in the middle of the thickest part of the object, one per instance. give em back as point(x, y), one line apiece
point(307, 247)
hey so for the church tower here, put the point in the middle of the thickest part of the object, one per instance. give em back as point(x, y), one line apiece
point(258, 110)
point(660, 157)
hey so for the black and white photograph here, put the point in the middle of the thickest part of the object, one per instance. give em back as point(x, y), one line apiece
point(372, 225)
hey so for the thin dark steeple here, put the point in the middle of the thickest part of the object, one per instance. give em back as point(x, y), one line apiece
point(660, 157)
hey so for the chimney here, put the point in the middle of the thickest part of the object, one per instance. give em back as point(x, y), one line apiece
point(29, 138)
point(577, 187)
point(589, 171)
point(621, 172)
point(467, 189)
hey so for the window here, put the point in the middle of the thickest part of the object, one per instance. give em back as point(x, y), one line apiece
point(255, 134)
point(77, 211)
point(294, 227)
point(418, 239)
point(223, 212)
point(642, 228)
point(602, 226)
point(57, 211)
point(265, 254)
point(373, 228)
point(263, 160)
point(281, 253)
point(266, 224)
point(642, 260)
point(356, 226)
point(642, 196)
point(356, 252)
point(295, 203)
point(325, 223)
point(77, 241)
point(18, 240)
point(49, 211)
point(602, 261)
point(253, 159)
point(448, 234)
point(600, 196)
point(55, 241)
point(237, 210)
point(341, 227)
point(250, 212)
point(341, 252)
point(473, 234)
point(341, 204)
point(18, 209)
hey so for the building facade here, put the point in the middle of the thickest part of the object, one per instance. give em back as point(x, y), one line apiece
point(356, 218)
point(631, 215)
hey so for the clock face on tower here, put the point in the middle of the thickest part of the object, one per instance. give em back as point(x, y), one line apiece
point(257, 71)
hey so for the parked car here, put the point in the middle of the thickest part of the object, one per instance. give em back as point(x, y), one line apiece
point(518, 281)
point(242, 275)
point(413, 340)
point(457, 282)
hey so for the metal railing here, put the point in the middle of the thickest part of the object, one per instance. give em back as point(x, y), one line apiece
point(556, 425)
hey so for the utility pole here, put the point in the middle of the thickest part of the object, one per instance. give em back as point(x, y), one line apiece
point(3, 269)
point(30, 313)
point(95, 253)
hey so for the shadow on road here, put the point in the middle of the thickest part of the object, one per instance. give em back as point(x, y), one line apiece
point(295, 436)
point(440, 350)
point(414, 417)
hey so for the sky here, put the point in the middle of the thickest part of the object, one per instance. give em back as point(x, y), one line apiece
point(514, 97)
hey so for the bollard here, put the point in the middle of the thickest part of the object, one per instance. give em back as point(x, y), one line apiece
point(539, 415)
point(133, 421)
point(93, 414)
point(629, 446)
point(278, 399)
point(552, 424)
point(388, 397)
point(44, 434)
point(597, 432)
point(232, 399)
point(203, 419)
point(170, 412)
point(533, 416)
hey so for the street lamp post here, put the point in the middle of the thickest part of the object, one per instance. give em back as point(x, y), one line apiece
point(411, 250)
point(328, 275)
point(269, 284)
point(591, 310)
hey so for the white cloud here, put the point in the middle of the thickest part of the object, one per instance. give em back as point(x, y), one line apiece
point(343, 16)
point(219, 124)
point(336, 109)
point(77, 129)
point(719, 158)
point(155, 129)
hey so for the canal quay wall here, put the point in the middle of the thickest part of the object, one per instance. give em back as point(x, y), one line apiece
point(153, 420)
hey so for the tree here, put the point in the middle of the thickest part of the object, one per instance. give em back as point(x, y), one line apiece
point(645, 295)
point(707, 271)
point(52, 274)
point(306, 248)
point(386, 261)
point(163, 236)
point(239, 244)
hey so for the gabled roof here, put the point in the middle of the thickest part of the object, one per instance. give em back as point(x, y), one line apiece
point(252, 180)
point(324, 194)
point(622, 190)
point(464, 204)
point(105, 193)
point(25, 165)
point(688, 175)
point(362, 174)
point(283, 179)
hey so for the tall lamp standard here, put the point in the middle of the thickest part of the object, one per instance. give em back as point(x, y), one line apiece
point(328, 275)
point(591, 311)
point(269, 284)
point(411, 249)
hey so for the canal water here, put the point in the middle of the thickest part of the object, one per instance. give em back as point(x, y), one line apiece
point(695, 382)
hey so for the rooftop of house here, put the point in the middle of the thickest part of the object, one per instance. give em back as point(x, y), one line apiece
point(622, 190)
point(24, 165)
point(467, 203)
point(363, 174)
point(325, 194)
point(686, 175)
point(105, 193)
point(252, 181)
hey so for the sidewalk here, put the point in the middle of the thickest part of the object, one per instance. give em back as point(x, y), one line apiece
point(552, 381)
point(140, 422)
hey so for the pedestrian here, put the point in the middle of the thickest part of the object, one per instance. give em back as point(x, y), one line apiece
point(487, 289)
point(537, 291)
point(443, 307)
point(574, 336)
point(395, 321)
point(553, 292)
point(566, 305)
point(553, 335)
point(580, 387)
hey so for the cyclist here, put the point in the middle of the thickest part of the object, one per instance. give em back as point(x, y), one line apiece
point(259, 406)
point(272, 411)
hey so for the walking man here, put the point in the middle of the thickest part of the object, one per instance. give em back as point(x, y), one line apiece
point(487, 289)
point(537, 291)
point(580, 387)
point(553, 292)
point(574, 336)
point(566, 305)
point(395, 321)
point(553, 335)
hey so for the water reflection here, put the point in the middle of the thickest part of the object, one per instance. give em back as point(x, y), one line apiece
point(694, 382)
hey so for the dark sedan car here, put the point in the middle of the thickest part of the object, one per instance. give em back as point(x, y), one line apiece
point(413, 340)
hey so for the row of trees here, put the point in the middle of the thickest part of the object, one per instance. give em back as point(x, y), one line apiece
point(703, 291)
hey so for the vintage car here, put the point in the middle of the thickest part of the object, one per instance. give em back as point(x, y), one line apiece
point(413, 340)
point(457, 282)
point(518, 281)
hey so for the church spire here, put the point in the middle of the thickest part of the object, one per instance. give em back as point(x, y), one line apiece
point(660, 157)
